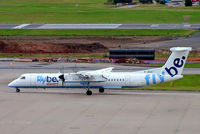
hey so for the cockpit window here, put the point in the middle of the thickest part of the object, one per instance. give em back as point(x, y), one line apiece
point(23, 77)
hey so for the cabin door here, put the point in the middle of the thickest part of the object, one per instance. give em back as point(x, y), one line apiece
point(127, 80)
point(33, 80)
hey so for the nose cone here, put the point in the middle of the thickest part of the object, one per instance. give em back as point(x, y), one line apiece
point(11, 84)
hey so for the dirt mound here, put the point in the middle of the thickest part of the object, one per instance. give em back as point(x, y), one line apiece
point(72, 44)
point(40, 47)
point(126, 42)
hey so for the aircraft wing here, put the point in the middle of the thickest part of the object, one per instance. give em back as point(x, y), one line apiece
point(105, 70)
point(92, 74)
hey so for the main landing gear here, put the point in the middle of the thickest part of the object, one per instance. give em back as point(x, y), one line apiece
point(101, 90)
point(89, 92)
point(17, 90)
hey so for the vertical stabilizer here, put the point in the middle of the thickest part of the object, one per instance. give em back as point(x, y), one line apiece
point(176, 61)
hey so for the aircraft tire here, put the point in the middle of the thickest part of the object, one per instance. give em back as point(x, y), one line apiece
point(89, 92)
point(17, 90)
point(101, 90)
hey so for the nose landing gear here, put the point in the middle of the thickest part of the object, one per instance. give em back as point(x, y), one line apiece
point(88, 92)
point(17, 90)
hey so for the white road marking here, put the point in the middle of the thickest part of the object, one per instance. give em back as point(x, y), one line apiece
point(187, 25)
point(101, 26)
point(155, 25)
point(20, 26)
point(79, 26)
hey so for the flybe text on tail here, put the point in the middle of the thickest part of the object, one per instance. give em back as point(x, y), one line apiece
point(178, 63)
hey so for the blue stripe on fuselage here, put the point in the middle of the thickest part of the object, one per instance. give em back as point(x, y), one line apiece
point(82, 81)
point(75, 86)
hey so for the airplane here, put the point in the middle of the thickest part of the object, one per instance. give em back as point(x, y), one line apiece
point(105, 78)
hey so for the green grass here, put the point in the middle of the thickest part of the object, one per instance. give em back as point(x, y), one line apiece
point(91, 55)
point(187, 65)
point(96, 32)
point(82, 55)
point(167, 53)
point(197, 65)
point(187, 83)
point(193, 54)
point(91, 11)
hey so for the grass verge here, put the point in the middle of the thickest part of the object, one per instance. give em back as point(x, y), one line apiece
point(165, 54)
point(82, 55)
point(187, 83)
point(96, 32)
point(187, 65)
point(92, 11)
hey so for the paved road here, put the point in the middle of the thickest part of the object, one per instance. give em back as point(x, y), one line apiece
point(99, 26)
point(69, 67)
point(190, 41)
point(67, 111)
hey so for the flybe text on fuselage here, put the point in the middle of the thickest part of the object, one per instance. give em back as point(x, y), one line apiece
point(46, 79)
point(154, 76)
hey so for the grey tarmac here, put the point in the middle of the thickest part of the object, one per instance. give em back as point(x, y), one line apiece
point(190, 41)
point(61, 111)
point(53, 67)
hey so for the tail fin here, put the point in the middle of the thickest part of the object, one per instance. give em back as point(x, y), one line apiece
point(176, 61)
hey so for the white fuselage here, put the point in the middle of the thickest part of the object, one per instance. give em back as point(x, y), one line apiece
point(105, 78)
point(113, 80)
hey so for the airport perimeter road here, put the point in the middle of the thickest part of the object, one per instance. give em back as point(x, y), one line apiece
point(70, 67)
point(190, 41)
point(99, 26)
point(70, 111)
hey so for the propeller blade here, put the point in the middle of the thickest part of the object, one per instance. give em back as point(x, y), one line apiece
point(62, 78)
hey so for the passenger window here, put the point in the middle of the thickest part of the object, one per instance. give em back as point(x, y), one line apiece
point(23, 77)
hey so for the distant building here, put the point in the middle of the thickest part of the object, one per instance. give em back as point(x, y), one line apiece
point(177, 1)
point(122, 1)
point(195, 2)
point(181, 2)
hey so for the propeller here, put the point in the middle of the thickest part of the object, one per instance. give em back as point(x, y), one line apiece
point(62, 77)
